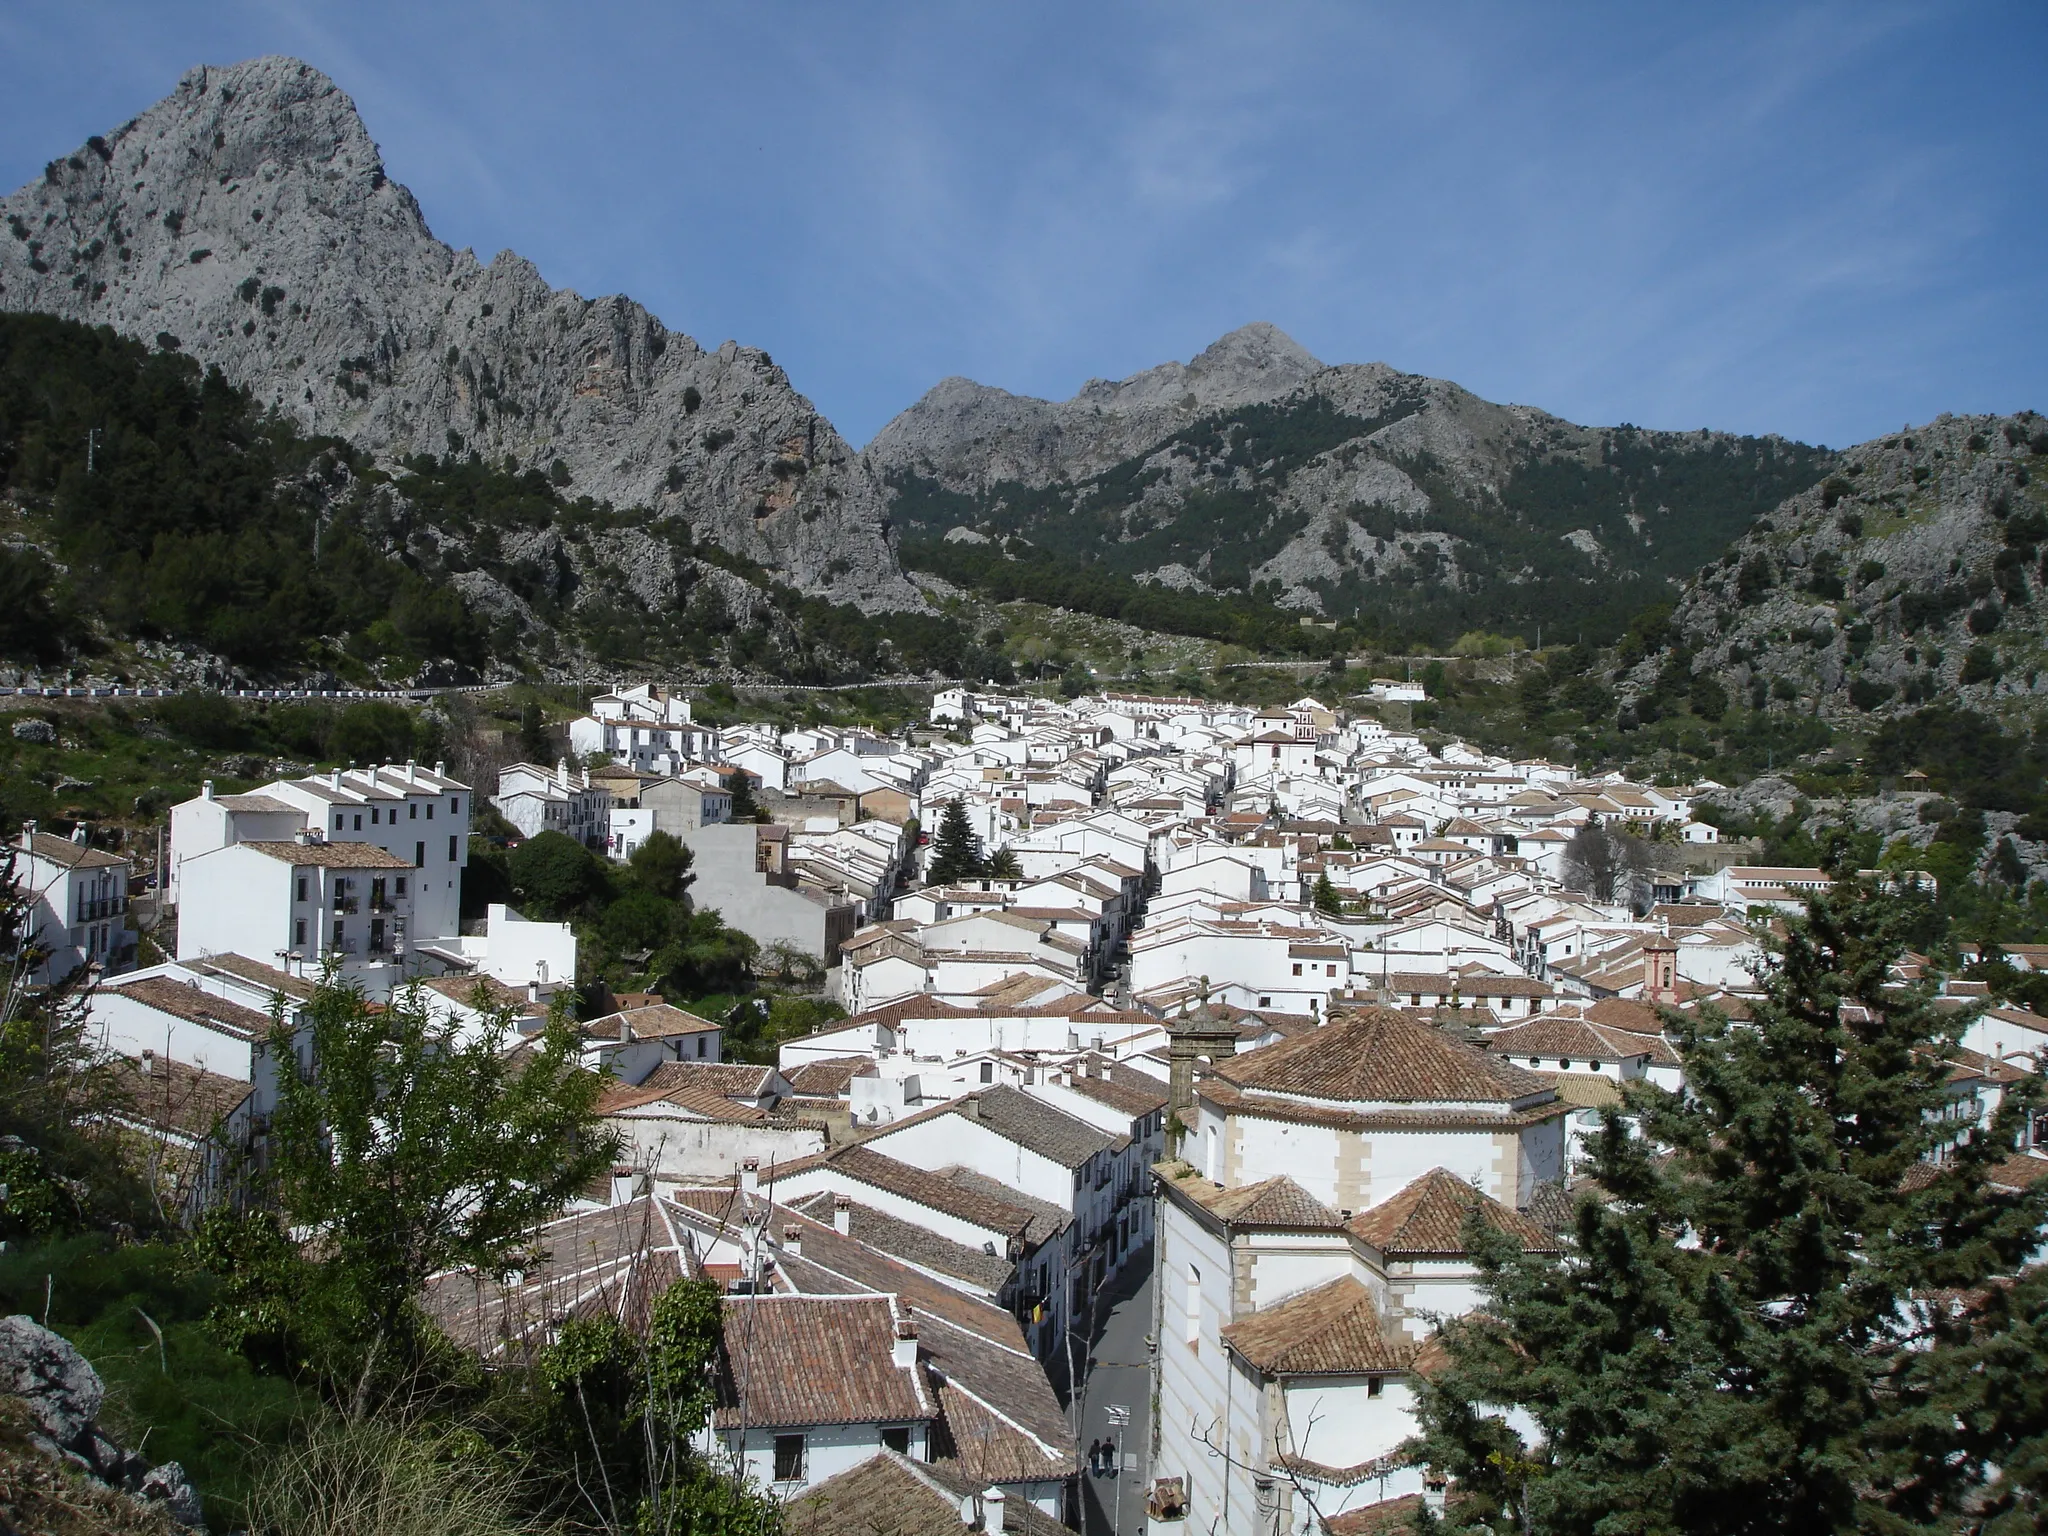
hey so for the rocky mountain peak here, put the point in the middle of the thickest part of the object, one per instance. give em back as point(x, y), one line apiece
point(1259, 354)
point(1252, 363)
point(968, 435)
point(247, 219)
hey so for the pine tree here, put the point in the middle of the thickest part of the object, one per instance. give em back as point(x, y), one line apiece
point(954, 854)
point(1755, 1331)
point(1327, 901)
point(741, 787)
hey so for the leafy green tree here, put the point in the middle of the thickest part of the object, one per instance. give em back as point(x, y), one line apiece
point(407, 1149)
point(1327, 899)
point(555, 875)
point(703, 957)
point(661, 864)
point(1755, 1328)
point(638, 920)
point(372, 731)
point(954, 852)
point(1003, 865)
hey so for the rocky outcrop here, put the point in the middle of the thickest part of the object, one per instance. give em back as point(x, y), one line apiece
point(62, 1394)
point(247, 219)
point(1913, 574)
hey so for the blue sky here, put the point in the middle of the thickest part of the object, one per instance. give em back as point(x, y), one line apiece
point(1820, 220)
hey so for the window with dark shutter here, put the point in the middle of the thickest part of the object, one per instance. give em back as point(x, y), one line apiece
point(789, 1458)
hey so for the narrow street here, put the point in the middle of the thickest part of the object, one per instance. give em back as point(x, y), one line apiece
point(1120, 1380)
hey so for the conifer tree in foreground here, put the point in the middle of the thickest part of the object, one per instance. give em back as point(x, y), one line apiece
point(1779, 1317)
point(954, 856)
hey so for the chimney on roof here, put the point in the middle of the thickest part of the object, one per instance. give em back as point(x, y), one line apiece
point(206, 790)
point(28, 832)
point(78, 833)
point(562, 771)
point(842, 1215)
point(750, 1176)
point(148, 1063)
point(303, 837)
point(440, 770)
point(992, 1501)
point(334, 779)
point(533, 991)
point(904, 1355)
point(412, 772)
point(793, 1240)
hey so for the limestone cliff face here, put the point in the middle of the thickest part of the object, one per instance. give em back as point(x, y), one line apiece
point(1913, 574)
point(247, 219)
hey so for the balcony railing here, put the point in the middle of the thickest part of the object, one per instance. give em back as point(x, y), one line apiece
point(347, 906)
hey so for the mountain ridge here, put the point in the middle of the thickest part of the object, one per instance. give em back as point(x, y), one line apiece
point(1332, 489)
point(247, 219)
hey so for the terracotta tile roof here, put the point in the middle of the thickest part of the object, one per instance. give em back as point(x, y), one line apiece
point(1274, 1202)
point(981, 1446)
point(1473, 987)
point(830, 1078)
point(703, 1102)
point(176, 1097)
point(969, 1341)
point(657, 1021)
point(1440, 1118)
point(911, 1243)
point(1567, 1038)
point(734, 1079)
point(1047, 1220)
point(796, 1360)
point(1124, 1089)
point(1004, 1212)
point(330, 855)
point(61, 850)
point(2020, 1171)
point(611, 1262)
point(463, 989)
point(1428, 1218)
point(1034, 1125)
point(1377, 1055)
point(267, 805)
point(889, 1493)
point(1585, 1090)
point(1627, 1013)
point(268, 977)
point(1386, 1516)
point(184, 1000)
point(1333, 1330)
